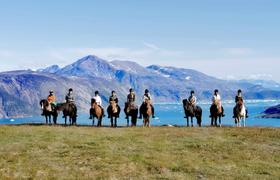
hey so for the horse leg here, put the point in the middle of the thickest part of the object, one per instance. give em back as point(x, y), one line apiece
point(244, 121)
point(127, 121)
point(65, 118)
point(216, 119)
point(100, 121)
point(112, 119)
point(192, 121)
point(93, 118)
point(148, 119)
point(187, 121)
point(115, 121)
point(50, 119)
point(54, 118)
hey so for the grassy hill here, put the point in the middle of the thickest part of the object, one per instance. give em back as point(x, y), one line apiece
point(47, 152)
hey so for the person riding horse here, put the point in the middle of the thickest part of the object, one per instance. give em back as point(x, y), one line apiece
point(130, 102)
point(192, 100)
point(51, 100)
point(98, 100)
point(147, 97)
point(238, 101)
point(216, 100)
point(70, 100)
point(113, 100)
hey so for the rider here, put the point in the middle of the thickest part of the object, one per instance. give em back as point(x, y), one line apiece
point(239, 99)
point(192, 99)
point(147, 96)
point(98, 101)
point(70, 99)
point(115, 99)
point(52, 99)
point(130, 99)
point(216, 100)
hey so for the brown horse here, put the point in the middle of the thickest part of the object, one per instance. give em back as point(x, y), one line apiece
point(96, 112)
point(131, 110)
point(191, 111)
point(113, 111)
point(240, 114)
point(48, 111)
point(147, 113)
point(216, 112)
point(69, 110)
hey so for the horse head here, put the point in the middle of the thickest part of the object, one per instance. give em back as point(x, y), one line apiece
point(44, 103)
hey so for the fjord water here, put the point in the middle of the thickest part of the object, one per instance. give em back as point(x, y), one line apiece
point(172, 114)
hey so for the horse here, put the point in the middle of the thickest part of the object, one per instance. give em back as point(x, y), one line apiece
point(146, 111)
point(68, 110)
point(240, 114)
point(191, 111)
point(48, 111)
point(96, 112)
point(216, 112)
point(113, 111)
point(132, 111)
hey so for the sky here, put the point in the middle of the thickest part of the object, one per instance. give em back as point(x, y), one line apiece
point(229, 39)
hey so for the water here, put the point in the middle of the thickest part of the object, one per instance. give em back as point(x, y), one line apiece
point(173, 114)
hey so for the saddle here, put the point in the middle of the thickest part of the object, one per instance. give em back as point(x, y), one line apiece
point(130, 106)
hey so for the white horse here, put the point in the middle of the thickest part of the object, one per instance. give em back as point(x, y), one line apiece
point(240, 115)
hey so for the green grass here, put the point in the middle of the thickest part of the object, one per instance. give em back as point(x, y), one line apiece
point(56, 152)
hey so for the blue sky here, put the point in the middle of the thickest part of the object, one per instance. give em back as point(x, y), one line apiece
point(224, 38)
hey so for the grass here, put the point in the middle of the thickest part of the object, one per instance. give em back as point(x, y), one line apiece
point(56, 152)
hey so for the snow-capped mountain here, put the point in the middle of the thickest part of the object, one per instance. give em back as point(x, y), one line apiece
point(20, 91)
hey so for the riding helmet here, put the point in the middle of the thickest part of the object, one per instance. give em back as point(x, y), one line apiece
point(70, 90)
point(216, 91)
point(51, 91)
point(192, 92)
point(96, 92)
point(146, 91)
point(239, 91)
point(130, 90)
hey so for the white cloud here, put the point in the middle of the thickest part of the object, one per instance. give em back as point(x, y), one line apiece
point(151, 46)
point(237, 51)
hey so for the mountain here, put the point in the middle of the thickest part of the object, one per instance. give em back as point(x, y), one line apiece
point(50, 69)
point(20, 91)
point(272, 112)
point(89, 66)
point(269, 84)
